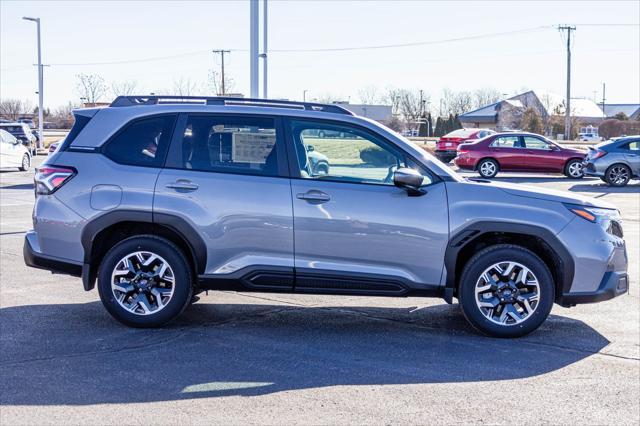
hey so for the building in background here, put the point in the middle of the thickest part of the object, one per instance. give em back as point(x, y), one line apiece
point(374, 112)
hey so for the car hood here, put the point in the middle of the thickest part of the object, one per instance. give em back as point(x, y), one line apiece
point(547, 194)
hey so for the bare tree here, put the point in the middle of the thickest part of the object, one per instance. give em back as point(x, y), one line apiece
point(369, 95)
point(124, 88)
point(12, 109)
point(184, 87)
point(91, 87)
point(456, 103)
point(392, 97)
point(215, 82)
point(485, 96)
point(411, 105)
point(62, 117)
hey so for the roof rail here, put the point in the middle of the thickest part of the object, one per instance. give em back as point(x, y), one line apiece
point(126, 101)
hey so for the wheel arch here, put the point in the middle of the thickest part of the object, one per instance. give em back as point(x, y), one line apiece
point(539, 240)
point(103, 232)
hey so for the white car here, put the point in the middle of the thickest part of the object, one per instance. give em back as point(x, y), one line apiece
point(13, 153)
point(589, 137)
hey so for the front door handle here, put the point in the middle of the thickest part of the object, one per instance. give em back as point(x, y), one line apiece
point(182, 185)
point(314, 196)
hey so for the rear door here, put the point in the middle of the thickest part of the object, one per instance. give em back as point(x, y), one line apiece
point(4, 150)
point(540, 155)
point(506, 150)
point(632, 154)
point(226, 177)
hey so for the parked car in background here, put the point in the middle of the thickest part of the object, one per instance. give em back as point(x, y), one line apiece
point(589, 137)
point(616, 162)
point(519, 152)
point(23, 133)
point(13, 153)
point(446, 147)
point(319, 162)
point(54, 146)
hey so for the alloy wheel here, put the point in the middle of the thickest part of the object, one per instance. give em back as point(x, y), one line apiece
point(618, 175)
point(488, 168)
point(25, 162)
point(575, 169)
point(142, 283)
point(507, 293)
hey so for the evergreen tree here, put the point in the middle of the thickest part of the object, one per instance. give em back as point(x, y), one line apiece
point(438, 132)
point(430, 125)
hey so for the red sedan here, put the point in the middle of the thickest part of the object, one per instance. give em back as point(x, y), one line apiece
point(519, 152)
point(447, 145)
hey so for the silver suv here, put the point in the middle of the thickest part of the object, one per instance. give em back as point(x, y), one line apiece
point(159, 198)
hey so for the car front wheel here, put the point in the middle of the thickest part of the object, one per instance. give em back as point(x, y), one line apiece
point(145, 281)
point(488, 168)
point(506, 291)
point(618, 175)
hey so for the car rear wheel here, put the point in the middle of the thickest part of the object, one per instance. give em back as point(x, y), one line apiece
point(322, 169)
point(506, 291)
point(573, 169)
point(145, 281)
point(618, 175)
point(488, 168)
point(26, 163)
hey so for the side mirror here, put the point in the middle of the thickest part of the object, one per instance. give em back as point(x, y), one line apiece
point(310, 148)
point(409, 180)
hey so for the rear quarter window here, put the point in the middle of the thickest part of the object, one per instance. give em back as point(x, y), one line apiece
point(142, 142)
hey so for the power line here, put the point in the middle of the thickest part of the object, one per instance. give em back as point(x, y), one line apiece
point(222, 52)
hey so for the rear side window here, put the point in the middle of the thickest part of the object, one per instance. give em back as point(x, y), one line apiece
point(632, 146)
point(506, 142)
point(142, 142)
point(227, 144)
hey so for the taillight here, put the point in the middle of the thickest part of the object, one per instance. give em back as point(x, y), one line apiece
point(463, 151)
point(598, 153)
point(49, 179)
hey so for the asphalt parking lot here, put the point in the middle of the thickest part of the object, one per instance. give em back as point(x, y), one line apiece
point(274, 359)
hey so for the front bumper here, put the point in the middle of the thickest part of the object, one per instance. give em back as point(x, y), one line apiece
point(613, 284)
point(35, 259)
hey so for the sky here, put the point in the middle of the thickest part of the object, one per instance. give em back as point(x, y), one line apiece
point(157, 43)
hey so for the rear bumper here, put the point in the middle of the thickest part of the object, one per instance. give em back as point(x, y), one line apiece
point(446, 155)
point(35, 259)
point(590, 168)
point(613, 284)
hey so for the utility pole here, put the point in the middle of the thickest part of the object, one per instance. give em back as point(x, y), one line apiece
point(40, 84)
point(604, 113)
point(254, 21)
point(263, 55)
point(567, 113)
point(222, 52)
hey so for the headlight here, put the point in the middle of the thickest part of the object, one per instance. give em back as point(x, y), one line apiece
point(595, 214)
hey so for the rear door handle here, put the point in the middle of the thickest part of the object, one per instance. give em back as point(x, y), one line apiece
point(314, 196)
point(182, 185)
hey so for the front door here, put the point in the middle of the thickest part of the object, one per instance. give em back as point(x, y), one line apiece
point(507, 150)
point(540, 155)
point(354, 230)
point(226, 177)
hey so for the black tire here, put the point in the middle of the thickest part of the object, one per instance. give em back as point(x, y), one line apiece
point(602, 178)
point(570, 165)
point(484, 259)
point(321, 134)
point(322, 169)
point(617, 175)
point(26, 163)
point(182, 281)
point(488, 168)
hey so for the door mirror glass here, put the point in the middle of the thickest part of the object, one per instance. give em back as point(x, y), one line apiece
point(408, 179)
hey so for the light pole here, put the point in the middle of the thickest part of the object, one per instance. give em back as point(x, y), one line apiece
point(304, 95)
point(40, 83)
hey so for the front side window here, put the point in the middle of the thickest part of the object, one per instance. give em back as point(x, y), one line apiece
point(506, 142)
point(344, 153)
point(245, 145)
point(535, 143)
point(142, 142)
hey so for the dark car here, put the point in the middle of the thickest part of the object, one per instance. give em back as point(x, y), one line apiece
point(519, 152)
point(447, 145)
point(22, 132)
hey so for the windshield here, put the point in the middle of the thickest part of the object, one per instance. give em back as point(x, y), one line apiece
point(14, 130)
